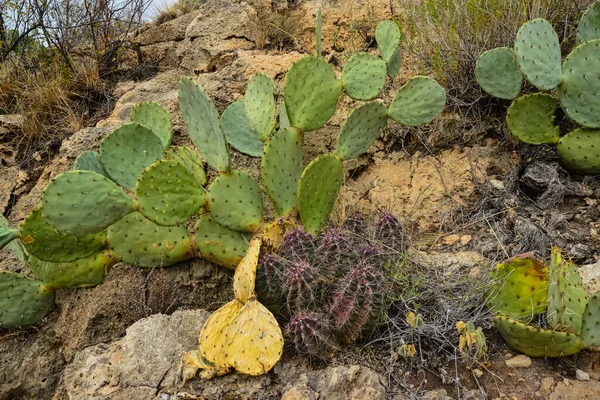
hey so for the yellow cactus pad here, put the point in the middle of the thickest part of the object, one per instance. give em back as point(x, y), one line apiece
point(255, 340)
point(213, 336)
point(245, 273)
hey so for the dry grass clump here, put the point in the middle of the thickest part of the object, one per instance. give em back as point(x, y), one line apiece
point(176, 10)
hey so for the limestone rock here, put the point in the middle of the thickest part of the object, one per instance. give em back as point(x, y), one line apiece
point(519, 361)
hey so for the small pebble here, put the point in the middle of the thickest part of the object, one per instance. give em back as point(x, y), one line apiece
point(581, 375)
point(520, 361)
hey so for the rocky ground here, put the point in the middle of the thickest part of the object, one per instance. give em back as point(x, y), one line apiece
point(466, 196)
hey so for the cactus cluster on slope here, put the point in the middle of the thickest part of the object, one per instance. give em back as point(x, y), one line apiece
point(537, 58)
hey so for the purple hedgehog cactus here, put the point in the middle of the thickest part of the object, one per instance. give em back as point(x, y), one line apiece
point(389, 233)
point(301, 282)
point(311, 334)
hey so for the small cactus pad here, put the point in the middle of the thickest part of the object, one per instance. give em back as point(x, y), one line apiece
point(579, 90)
point(363, 76)
point(418, 102)
point(139, 241)
point(84, 202)
point(168, 193)
point(281, 168)
point(393, 65)
point(46, 243)
point(214, 336)
point(498, 73)
point(245, 274)
point(235, 200)
point(23, 301)
point(202, 120)
point(530, 119)
point(154, 116)
point(590, 331)
point(388, 36)
point(7, 235)
point(580, 151)
point(538, 54)
point(535, 341)
point(566, 295)
point(88, 271)
point(238, 131)
point(311, 93)
point(89, 161)
point(519, 289)
point(361, 129)
point(589, 25)
point(259, 104)
point(189, 158)
point(318, 189)
point(284, 121)
point(254, 340)
point(125, 153)
point(218, 244)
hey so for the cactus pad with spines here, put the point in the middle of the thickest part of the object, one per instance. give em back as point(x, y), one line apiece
point(363, 76)
point(244, 279)
point(519, 289)
point(284, 121)
point(538, 54)
point(139, 241)
point(218, 244)
point(43, 241)
point(84, 202)
point(418, 102)
point(281, 168)
point(579, 89)
point(311, 93)
point(168, 193)
point(202, 120)
point(318, 189)
point(89, 161)
point(238, 131)
point(23, 301)
point(388, 36)
point(590, 331)
point(8, 238)
point(214, 336)
point(530, 118)
point(88, 271)
point(235, 200)
point(189, 158)
point(259, 104)
point(580, 151)
point(393, 66)
point(498, 73)
point(589, 25)
point(154, 116)
point(361, 129)
point(535, 341)
point(7, 235)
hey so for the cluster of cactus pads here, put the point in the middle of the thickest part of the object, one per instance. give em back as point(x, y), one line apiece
point(537, 58)
point(331, 289)
point(525, 288)
point(136, 198)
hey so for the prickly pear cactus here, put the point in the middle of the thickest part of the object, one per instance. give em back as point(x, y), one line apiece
point(259, 105)
point(590, 331)
point(240, 134)
point(580, 151)
point(418, 102)
point(361, 129)
point(84, 272)
point(589, 26)
point(189, 158)
point(90, 161)
point(7, 235)
point(498, 73)
point(530, 118)
point(218, 244)
point(23, 301)
point(363, 76)
point(388, 37)
point(155, 117)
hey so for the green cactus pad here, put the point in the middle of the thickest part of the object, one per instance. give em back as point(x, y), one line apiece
point(202, 120)
point(15, 246)
point(23, 301)
point(418, 102)
point(580, 151)
point(238, 131)
point(538, 54)
point(235, 200)
point(189, 158)
point(44, 242)
point(578, 92)
point(530, 119)
point(259, 104)
point(84, 202)
point(363, 76)
point(154, 116)
point(498, 73)
point(393, 65)
point(88, 271)
point(7, 235)
point(589, 25)
point(218, 244)
point(284, 121)
point(388, 36)
point(168, 193)
point(535, 341)
point(519, 289)
point(139, 241)
point(311, 93)
point(318, 189)
point(127, 151)
point(89, 161)
point(590, 331)
point(361, 129)
point(566, 295)
point(281, 168)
